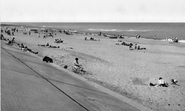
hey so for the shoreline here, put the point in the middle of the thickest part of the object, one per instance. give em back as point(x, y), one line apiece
point(117, 33)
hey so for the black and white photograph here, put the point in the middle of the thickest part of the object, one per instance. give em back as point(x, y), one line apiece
point(92, 55)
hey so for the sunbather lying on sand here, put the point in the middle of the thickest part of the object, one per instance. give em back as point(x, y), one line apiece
point(29, 50)
point(54, 46)
point(58, 41)
point(92, 39)
point(44, 45)
point(161, 82)
point(138, 48)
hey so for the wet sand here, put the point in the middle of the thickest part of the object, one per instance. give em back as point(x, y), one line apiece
point(125, 71)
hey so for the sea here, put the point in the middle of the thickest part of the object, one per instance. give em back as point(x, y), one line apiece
point(146, 30)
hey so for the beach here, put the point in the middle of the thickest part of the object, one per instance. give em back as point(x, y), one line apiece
point(127, 72)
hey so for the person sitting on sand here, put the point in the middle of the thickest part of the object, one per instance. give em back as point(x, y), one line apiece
point(47, 44)
point(44, 45)
point(135, 46)
point(11, 41)
point(91, 38)
point(54, 46)
point(2, 37)
point(138, 36)
point(22, 46)
point(138, 48)
point(161, 82)
point(174, 81)
point(130, 46)
point(77, 65)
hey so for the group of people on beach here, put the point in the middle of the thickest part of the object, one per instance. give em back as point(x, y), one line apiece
point(76, 66)
point(10, 31)
point(25, 48)
point(12, 41)
point(48, 45)
point(92, 39)
point(161, 82)
point(136, 47)
point(131, 45)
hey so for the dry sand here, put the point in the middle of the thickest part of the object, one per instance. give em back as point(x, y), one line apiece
point(125, 71)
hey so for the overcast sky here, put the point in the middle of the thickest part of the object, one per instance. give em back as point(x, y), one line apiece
point(92, 10)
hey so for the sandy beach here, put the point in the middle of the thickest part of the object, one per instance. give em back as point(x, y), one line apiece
point(127, 72)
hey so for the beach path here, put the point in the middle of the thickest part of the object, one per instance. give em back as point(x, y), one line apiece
point(29, 84)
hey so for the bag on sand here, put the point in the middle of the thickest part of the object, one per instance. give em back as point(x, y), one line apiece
point(47, 59)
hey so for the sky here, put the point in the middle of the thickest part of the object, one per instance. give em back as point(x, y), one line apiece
point(92, 10)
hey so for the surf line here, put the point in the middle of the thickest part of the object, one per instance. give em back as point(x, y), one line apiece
point(47, 80)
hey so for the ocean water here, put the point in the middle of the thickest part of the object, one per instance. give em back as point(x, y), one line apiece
point(146, 30)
